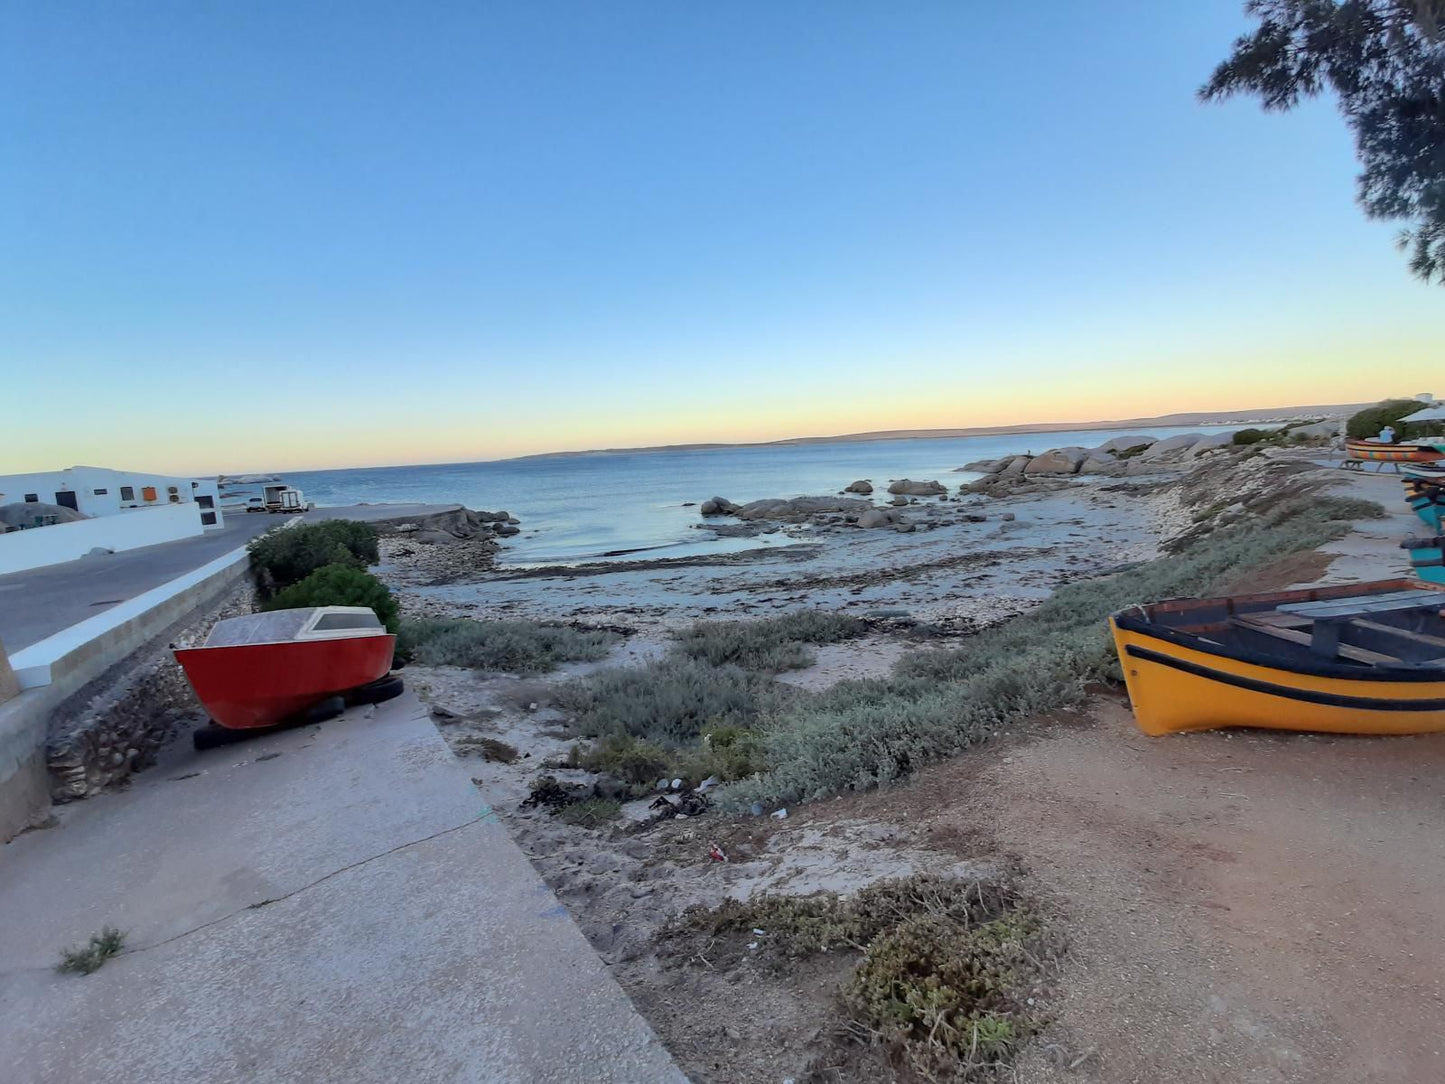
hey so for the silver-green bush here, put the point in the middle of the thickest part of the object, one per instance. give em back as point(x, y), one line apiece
point(768, 645)
point(517, 647)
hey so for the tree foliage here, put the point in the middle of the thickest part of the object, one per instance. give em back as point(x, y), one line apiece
point(1385, 59)
point(281, 558)
point(1369, 422)
point(340, 585)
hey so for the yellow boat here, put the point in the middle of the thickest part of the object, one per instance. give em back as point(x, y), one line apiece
point(1364, 658)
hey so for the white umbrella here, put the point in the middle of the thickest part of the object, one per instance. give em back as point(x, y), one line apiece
point(1429, 414)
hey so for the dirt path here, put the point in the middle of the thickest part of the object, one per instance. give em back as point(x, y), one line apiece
point(1242, 907)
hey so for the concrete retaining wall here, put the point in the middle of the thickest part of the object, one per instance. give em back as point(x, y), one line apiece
point(59, 666)
point(20, 550)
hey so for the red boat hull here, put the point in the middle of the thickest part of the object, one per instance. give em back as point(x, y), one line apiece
point(260, 685)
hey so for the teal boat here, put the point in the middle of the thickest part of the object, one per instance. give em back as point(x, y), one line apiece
point(1427, 555)
point(1425, 494)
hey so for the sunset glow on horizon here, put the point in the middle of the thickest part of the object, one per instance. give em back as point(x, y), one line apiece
point(240, 240)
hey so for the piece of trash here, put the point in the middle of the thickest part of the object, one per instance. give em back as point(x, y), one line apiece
point(716, 854)
point(677, 784)
point(532, 706)
point(780, 814)
point(761, 932)
point(707, 784)
point(752, 944)
point(756, 809)
point(691, 804)
point(662, 784)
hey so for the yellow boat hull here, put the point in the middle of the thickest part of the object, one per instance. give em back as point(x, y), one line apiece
point(1175, 688)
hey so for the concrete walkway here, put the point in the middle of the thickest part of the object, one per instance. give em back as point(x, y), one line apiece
point(328, 904)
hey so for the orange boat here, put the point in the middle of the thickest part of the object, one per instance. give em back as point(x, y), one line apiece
point(263, 670)
point(1359, 452)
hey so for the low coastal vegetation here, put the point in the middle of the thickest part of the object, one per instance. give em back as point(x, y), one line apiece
point(513, 647)
point(670, 702)
point(946, 969)
point(770, 645)
point(696, 713)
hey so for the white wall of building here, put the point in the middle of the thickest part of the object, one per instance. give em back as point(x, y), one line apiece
point(20, 550)
point(99, 491)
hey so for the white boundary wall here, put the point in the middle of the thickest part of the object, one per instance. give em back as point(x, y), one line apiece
point(20, 550)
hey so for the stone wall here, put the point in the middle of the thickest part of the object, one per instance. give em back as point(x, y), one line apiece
point(116, 724)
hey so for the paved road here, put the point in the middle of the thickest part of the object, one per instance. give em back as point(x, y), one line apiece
point(41, 601)
point(324, 904)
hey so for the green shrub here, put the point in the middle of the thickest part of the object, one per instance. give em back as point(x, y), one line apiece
point(1132, 451)
point(514, 647)
point(285, 557)
point(339, 585)
point(669, 702)
point(1369, 422)
point(768, 645)
point(1251, 436)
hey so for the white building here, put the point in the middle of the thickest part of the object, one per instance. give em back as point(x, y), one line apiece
point(97, 491)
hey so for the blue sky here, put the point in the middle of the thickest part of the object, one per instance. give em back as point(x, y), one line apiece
point(448, 231)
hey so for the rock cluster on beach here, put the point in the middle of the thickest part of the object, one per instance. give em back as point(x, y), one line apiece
point(455, 544)
point(450, 527)
point(1123, 456)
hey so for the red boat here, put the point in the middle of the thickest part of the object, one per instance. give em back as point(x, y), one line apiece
point(262, 670)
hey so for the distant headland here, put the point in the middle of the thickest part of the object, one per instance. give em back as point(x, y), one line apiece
point(1214, 417)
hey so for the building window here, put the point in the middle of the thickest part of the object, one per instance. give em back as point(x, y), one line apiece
point(99, 492)
point(32, 498)
point(127, 493)
point(148, 493)
point(208, 519)
point(195, 485)
point(204, 500)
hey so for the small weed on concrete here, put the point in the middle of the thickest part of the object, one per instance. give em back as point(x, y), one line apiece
point(92, 956)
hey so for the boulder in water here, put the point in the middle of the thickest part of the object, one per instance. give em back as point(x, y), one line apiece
point(917, 489)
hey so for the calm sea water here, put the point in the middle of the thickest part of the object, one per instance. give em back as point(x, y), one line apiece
point(577, 507)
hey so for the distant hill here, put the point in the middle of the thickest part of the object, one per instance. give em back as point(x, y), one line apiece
point(1214, 417)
